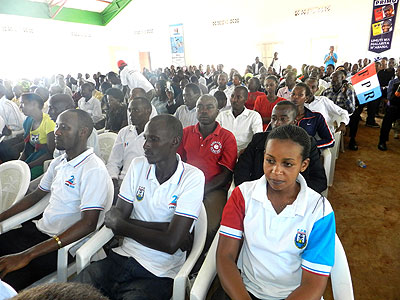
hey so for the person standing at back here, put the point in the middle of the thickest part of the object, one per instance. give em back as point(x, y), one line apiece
point(330, 58)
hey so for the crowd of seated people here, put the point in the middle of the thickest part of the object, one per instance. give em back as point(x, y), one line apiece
point(185, 136)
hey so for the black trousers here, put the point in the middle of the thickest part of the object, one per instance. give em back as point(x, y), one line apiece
point(354, 121)
point(18, 240)
point(391, 115)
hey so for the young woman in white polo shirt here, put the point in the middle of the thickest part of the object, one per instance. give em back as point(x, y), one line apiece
point(283, 230)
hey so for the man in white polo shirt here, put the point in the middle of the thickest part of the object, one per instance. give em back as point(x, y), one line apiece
point(129, 142)
point(187, 113)
point(239, 120)
point(133, 79)
point(159, 200)
point(79, 183)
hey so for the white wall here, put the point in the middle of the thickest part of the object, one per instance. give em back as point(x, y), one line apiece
point(52, 46)
point(298, 39)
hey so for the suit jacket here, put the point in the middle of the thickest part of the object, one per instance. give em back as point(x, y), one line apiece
point(250, 164)
point(260, 64)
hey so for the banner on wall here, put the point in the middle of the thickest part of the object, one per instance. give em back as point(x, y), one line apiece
point(366, 84)
point(177, 45)
point(382, 25)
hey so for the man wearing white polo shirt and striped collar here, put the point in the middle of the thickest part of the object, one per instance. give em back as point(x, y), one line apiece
point(159, 200)
point(78, 182)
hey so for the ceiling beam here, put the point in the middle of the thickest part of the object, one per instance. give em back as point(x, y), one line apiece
point(41, 10)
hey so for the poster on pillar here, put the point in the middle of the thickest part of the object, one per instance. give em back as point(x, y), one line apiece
point(382, 25)
point(177, 45)
point(366, 84)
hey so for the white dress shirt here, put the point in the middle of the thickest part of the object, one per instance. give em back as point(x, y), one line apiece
point(127, 146)
point(186, 116)
point(135, 79)
point(228, 92)
point(243, 127)
point(92, 107)
point(329, 110)
point(11, 114)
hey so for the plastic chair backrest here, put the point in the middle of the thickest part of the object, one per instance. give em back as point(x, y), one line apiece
point(342, 286)
point(340, 275)
point(106, 143)
point(15, 177)
point(200, 234)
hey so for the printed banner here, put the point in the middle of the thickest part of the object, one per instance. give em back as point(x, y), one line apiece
point(366, 84)
point(382, 25)
point(177, 46)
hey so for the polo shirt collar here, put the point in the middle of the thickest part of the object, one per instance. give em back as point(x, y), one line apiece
point(244, 113)
point(174, 179)
point(196, 129)
point(77, 161)
point(298, 207)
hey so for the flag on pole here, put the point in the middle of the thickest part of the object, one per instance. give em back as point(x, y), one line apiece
point(366, 84)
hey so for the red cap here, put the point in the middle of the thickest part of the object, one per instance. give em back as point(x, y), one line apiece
point(121, 63)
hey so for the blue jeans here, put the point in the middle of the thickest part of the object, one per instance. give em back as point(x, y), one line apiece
point(123, 278)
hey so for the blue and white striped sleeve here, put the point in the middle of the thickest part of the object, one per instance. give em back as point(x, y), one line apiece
point(319, 255)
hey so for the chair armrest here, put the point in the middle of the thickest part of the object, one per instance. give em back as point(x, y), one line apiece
point(94, 244)
point(206, 274)
point(181, 279)
point(25, 215)
point(62, 261)
point(327, 155)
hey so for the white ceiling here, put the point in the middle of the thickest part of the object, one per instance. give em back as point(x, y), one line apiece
point(90, 5)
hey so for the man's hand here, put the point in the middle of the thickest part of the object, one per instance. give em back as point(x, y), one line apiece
point(341, 128)
point(344, 88)
point(113, 218)
point(13, 262)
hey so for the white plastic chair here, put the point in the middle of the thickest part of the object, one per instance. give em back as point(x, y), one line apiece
point(95, 243)
point(106, 142)
point(340, 275)
point(335, 154)
point(327, 157)
point(14, 177)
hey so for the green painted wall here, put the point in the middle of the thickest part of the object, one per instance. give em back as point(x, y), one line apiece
point(40, 10)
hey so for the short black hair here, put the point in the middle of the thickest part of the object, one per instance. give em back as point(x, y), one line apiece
point(171, 123)
point(64, 99)
point(33, 97)
point(331, 65)
point(288, 103)
point(272, 77)
point(61, 291)
point(89, 85)
point(293, 133)
point(105, 86)
point(220, 95)
point(306, 87)
point(193, 87)
point(84, 119)
point(144, 101)
point(243, 91)
point(116, 93)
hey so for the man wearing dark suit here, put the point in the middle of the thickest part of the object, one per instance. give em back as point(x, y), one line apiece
point(256, 66)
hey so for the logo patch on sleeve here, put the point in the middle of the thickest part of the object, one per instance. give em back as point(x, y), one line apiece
point(140, 193)
point(300, 240)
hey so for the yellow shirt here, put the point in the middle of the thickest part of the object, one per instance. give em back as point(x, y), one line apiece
point(39, 135)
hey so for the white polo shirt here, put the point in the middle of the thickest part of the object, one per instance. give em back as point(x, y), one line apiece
point(329, 110)
point(181, 195)
point(127, 146)
point(186, 116)
point(77, 185)
point(92, 107)
point(135, 79)
point(277, 247)
point(243, 127)
point(11, 114)
point(228, 93)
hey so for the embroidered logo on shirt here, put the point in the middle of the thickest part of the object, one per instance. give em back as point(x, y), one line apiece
point(216, 147)
point(70, 182)
point(172, 204)
point(140, 193)
point(300, 240)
